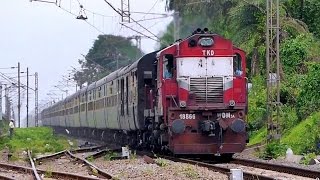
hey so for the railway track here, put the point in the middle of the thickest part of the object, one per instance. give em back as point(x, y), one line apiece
point(302, 173)
point(279, 168)
point(217, 168)
point(72, 154)
point(270, 170)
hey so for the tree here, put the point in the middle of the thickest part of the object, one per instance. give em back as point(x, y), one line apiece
point(108, 53)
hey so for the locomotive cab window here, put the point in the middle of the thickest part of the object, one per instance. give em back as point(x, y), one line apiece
point(168, 66)
point(237, 67)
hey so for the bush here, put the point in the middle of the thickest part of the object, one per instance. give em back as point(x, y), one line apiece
point(273, 150)
point(307, 157)
point(257, 104)
point(308, 100)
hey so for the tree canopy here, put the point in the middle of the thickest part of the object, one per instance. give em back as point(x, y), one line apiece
point(108, 53)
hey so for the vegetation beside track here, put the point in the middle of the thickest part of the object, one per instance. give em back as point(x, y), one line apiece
point(38, 140)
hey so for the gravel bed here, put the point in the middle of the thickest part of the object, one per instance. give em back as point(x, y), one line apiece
point(64, 164)
point(269, 173)
point(137, 169)
point(250, 154)
point(20, 162)
point(16, 174)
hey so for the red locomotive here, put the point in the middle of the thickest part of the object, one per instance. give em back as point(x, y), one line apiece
point(202, 95)
point(189, 98)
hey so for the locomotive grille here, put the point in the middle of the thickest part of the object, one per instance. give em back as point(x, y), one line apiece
point(207, 89)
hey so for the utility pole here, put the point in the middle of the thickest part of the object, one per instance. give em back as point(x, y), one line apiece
point(19, 94)
point(27, 97)
point(176, 26)
point(36, 110)
point(273, 70)
point(125, 11)
point(7, 102)
point(0, 100)
point(138, 41)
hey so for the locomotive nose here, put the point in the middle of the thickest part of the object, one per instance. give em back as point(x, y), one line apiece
point(238, 126)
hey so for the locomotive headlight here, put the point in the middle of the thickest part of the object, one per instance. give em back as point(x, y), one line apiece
point(232, 103)
point(206, 42)
point(183, 103)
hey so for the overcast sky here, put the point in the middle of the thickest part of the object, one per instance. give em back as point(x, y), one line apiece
point(49, 40)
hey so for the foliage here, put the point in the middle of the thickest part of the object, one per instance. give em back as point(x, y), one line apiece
point(307, 157)
point(110, 155)
point(273, 150)
point(257, 104)
point(306, 11)
point(161, 162)
point(190, 172)
point(133, 154)
point(258, 136)
point(304, 137)
point(108, 53)
point(90, 158)
point(48, 172)
point(294, 53)
point(38, 140)
point(308, 100)
point(288, 119)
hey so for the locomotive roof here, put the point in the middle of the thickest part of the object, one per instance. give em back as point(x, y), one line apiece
point(195, 35)
point(72, 96)
point(91, 86)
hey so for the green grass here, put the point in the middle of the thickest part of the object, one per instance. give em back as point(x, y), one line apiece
point(303, 137)
point(258, 136)
point(39, 140)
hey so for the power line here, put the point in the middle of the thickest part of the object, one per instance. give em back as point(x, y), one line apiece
point(150, 9)
point(154, 18)
point(160, 14)
point(133, 21)
point(139, 32)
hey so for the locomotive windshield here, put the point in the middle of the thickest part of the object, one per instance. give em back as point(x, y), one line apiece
point(202, 67)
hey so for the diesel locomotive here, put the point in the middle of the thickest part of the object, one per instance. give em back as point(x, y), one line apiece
point(188, 98)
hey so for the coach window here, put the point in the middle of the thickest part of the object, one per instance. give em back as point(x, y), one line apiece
point(99, 92)
point(168, 66)
point(237, 67)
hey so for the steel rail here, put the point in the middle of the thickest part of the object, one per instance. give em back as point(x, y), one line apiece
point(92, 166)
point(54, 174)
point(224, 170)
point(62, 153)
point(88, 149)
point(102, 152)
point(55, 155)
point(279, 168)
point(35, 172)
point(14, 167)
